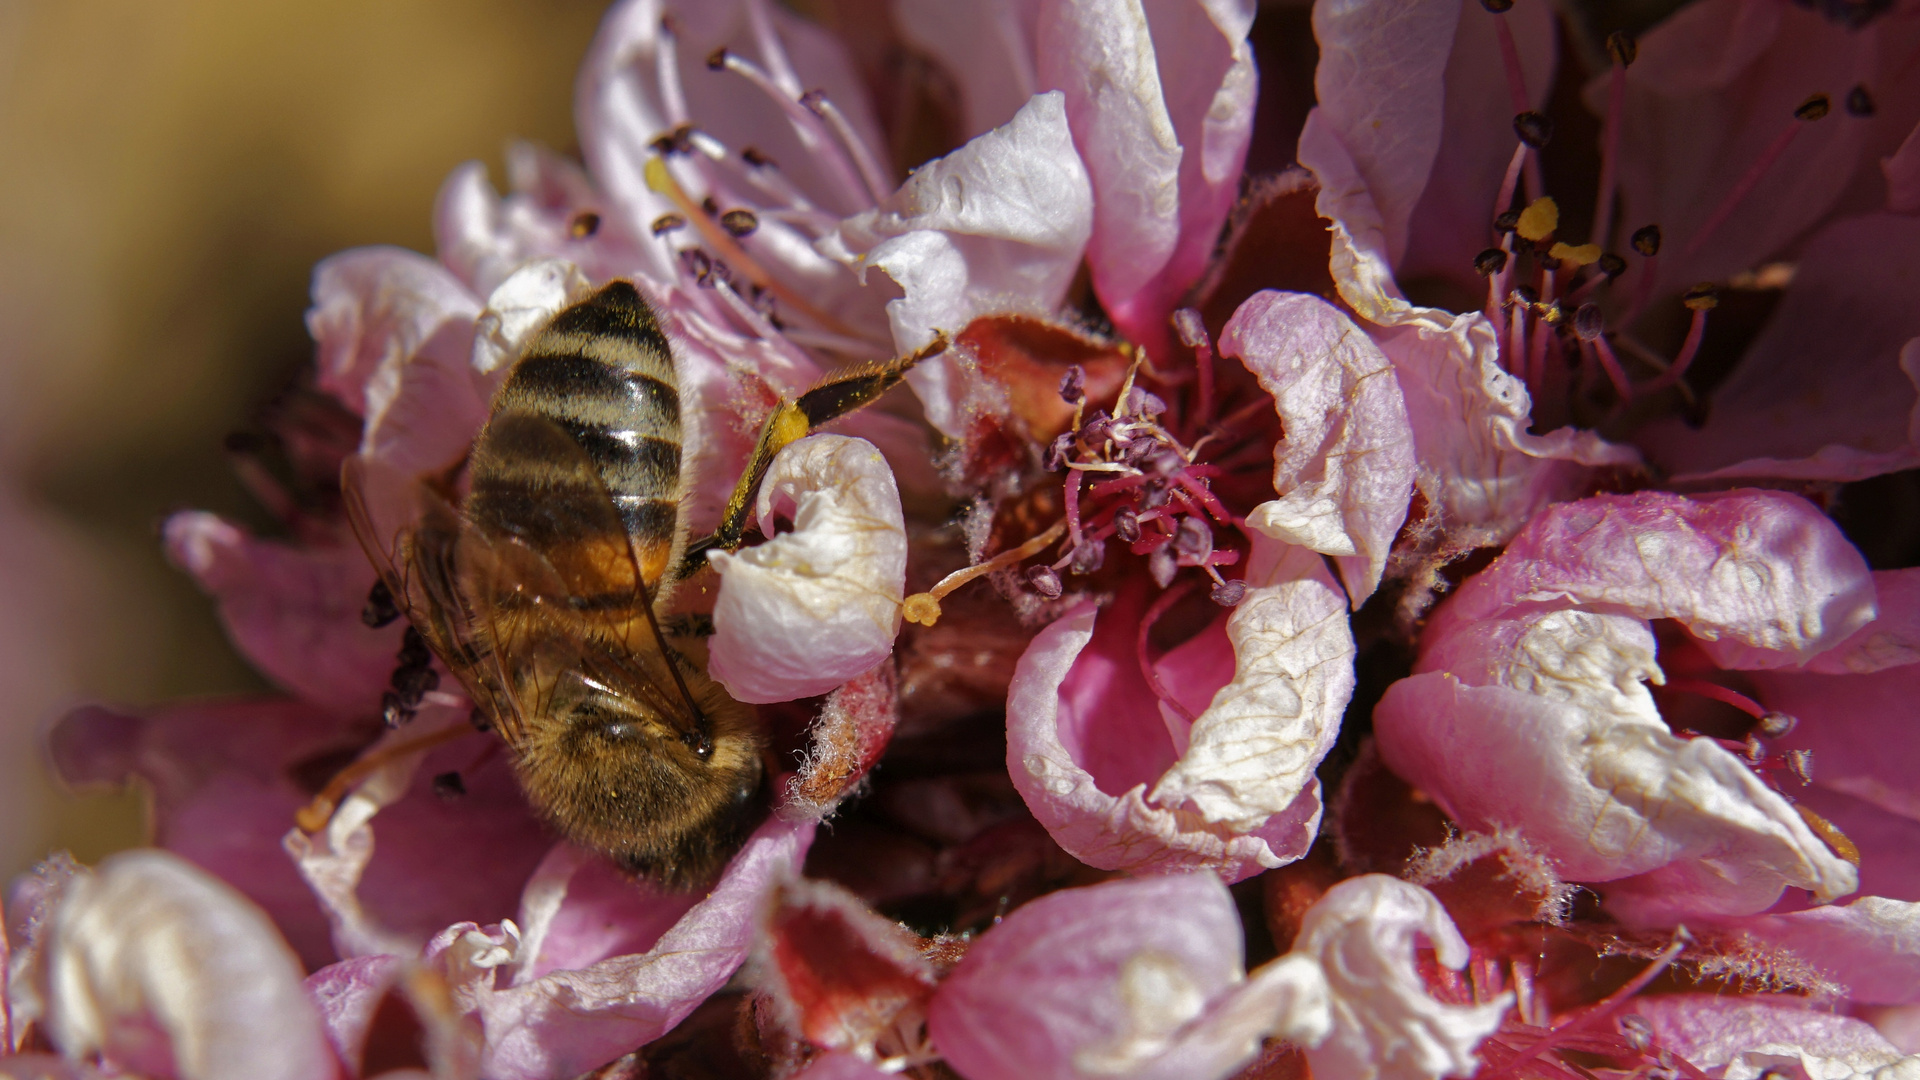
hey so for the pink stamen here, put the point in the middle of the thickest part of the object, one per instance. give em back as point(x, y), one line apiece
point(1719, 693)
point(1200, 491)
point(1642, 290)
point(1072, 500)
point(1601, 1010)
point(1516, 358)
point(878, 186)
point(810, 128)
point(773, 52)
point(1165, 601)
point(666, 70)
point(1124, 483)
point(1517, 89)
point(1193, 334)
point(1744, 187)
point(1696, 333)
point(1504, 201)
point(1537, 357)
point(1610, 153)
point(1223, 558)
point(1610, 363)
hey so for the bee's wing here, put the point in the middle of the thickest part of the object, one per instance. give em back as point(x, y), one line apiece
point(592, 575)
point(418, 544)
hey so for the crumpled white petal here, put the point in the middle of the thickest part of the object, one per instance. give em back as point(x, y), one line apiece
point(813, 607)
point(1254, 750)
point(1344, 471)
point(1741, 1038)
point(520, 307)
point(1486, 473)
point(1363, 934)
point(997, 225)
point(166, 970)
point(1552, 706)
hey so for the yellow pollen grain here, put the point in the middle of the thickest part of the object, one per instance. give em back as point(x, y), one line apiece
point(1540, 219)
point(1583, 255)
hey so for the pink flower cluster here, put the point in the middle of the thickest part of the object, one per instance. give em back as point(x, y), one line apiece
point(1414, 641)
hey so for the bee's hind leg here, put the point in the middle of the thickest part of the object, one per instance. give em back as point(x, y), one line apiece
point(829, 399)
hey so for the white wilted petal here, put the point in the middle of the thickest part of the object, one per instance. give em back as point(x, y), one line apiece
point(166, 970)
point(1364, 933)
point(813, 607)
point(1255, 748)
point(521, 306)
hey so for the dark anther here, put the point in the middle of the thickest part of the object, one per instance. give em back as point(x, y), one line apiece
point(413, 683)
point(1156, 492)
point(677, 141)
point(739, 222)
point(668, 223)
point(1229, 593)
point(1073, 385)
point(1193, 540)
point(1814, 108)
point(1534, 128)
point(584, 224)
point(1490, 262)
point(1141, 402)
point(1058, 450)
point(448, 786)
point(697, 264)
point(1777, 725)
point(413, 649)
point(1507, 222)
point(1193, 331)
point(755, 158)
point(1097, 429)
point(1800, 764)
point(1588, 322)
point(1527, 294)
point(1646, 240)
point(380, 610)
point(1166, 462)
point(1756, 750)
point(392, 711)
point(717, 59)
point(1612, 265)
point(1126, 524)
point(1622, 48)
point(1859, 102)
point(811, 100)
point(1163, 565)
point(1702, 297)
point(710, 206)
point(478, 717)
point(1498, 7)
point(1091, 555)
point(1045, 581)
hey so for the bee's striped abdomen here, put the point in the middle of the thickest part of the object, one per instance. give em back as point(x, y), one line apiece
point(602, 374)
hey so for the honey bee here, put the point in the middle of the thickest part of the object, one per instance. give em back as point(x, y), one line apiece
point(543, 592)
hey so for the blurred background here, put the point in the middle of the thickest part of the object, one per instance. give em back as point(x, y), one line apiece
point(170, 171)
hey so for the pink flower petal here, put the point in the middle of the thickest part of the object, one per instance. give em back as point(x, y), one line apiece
point(1086, 739)
point(1345, 469)
point(1469, 416)
point(819, 604)
point(1002, 220)
point(1553, 705)
point(1103, 980)
point(348, 994)
point(1763, 579)
point(852, 731)
point(1870, 946)
point(1902, 171)
point(165, 970)
point(1364, 934)
point(1744, 1036)
point(1854, 300)
point(293, 612)
point(839, 1066)
point(569, 1021)
point(1892, 639)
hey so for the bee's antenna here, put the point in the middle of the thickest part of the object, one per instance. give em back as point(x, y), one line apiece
point(666, 653)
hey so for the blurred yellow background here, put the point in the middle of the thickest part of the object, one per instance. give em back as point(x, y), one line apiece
point(170, 170)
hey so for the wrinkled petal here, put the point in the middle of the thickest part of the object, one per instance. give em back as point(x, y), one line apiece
point(1855, 301)
point(293, 612)
point(521, 306)
point(1086, 738)
point(997, 225)
point(1485, 472)
point(1364, 933)
point(817, 605)
point(161, 967)
point(569, 1021)
point(1763, 579)
point(1739, 1038)
point(1555, 705)
point(1345, 469)
point(1122, 980)
point(348, 994)
point(1870, 946)
point(484, 238)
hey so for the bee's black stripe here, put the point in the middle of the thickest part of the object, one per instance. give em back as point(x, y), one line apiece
point(564, 377)
point(616, 310)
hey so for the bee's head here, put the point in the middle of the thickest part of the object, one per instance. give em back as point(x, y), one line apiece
point(668, 796)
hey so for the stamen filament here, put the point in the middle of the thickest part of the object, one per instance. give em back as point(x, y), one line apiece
point(1617, 375)
point(1601, 1010)
point(1516, 358)
point(1517, 89)
point(1719, 693)
point(1071, 497)
point(924, 608)
point(1160, 605)
point(1696, 333)
point(810, 128)
point(314, 816)
point(878, 186)
point(773, 52)
point(1745, 186)
point(1504, 201)
point(1610, 154)
point(660, 180)
point(666, 70)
